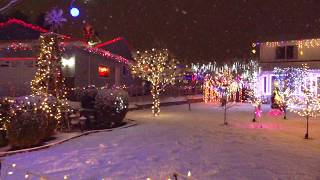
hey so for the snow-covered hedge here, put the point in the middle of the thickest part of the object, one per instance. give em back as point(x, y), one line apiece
point(111, 106)
point(5, 107)
point(87, 97)
point(26, 123)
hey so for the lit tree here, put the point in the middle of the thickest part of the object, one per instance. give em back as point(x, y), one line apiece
point(48, 81)
point(306, 105)
point(157, 67)
point(228, 79)
point(226, 84)
point(288, 79)
point(250, 74)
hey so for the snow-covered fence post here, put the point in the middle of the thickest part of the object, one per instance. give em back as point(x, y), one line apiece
point(254, 115)
point(224, 101)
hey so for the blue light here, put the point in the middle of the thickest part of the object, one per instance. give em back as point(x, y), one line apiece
point(74, 12)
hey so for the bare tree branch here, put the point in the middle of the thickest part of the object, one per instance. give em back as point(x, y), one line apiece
point(10, 3)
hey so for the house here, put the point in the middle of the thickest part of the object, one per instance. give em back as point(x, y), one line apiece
point(82, 65)
point(292, 53)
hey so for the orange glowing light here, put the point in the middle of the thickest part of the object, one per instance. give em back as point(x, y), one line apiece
point(103, 71)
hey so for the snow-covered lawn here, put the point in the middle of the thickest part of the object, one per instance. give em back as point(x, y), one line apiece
point(181, 140)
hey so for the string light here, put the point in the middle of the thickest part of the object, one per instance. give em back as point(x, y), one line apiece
point(210, 93)
point(119, 104)
point(48, 81)
point(301, 44)
point(288, 79)
point(29, 174)
point(22, 23)
point(111, 42)
point(308, 43)
point(157, 67)
point(13, 169)
point(105, 53)
point(17, 47)
point(226, 80)
point(307, 103)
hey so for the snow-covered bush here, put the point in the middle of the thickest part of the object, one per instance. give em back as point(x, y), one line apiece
point(5, 107)
point(75, 94)
point(88, 97)
point(111, 106)
point(26, 128)
point(28, 123)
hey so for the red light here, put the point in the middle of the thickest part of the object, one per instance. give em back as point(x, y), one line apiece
point(103, 71)
point(108, 42)
point(17, 58)
point(27, 25)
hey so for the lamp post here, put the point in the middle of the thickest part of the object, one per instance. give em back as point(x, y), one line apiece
point(89, 71)
point(306, 136)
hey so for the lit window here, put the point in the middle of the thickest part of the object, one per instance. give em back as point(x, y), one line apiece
point(103, 71)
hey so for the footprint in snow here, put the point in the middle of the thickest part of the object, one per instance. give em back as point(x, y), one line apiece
point(153, 158)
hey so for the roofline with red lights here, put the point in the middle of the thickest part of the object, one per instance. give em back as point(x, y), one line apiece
point(97, 47)
point(17, 58)
point(27, 25)
point(108, 42)
point(113, 41)
point(22, 23)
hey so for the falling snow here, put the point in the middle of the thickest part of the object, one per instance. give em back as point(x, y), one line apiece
point(247, 22)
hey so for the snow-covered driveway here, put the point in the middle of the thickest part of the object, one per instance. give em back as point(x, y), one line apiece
point(181, 140)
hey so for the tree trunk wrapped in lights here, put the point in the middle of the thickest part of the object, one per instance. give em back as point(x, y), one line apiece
point(252, 73)
point(306, 105)
point(157, 67)
point(48, 81)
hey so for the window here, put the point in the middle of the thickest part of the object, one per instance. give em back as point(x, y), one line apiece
point(28, 63)
point(4, 63)
point(287, 52)
point(124, 70)
point(281, 52)
point(292, 52)
point(15, 63)
point(103, 71)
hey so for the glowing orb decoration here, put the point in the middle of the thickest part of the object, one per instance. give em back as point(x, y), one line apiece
point(74, 12)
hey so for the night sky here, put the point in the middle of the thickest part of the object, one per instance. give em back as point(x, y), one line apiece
point(193, 30)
